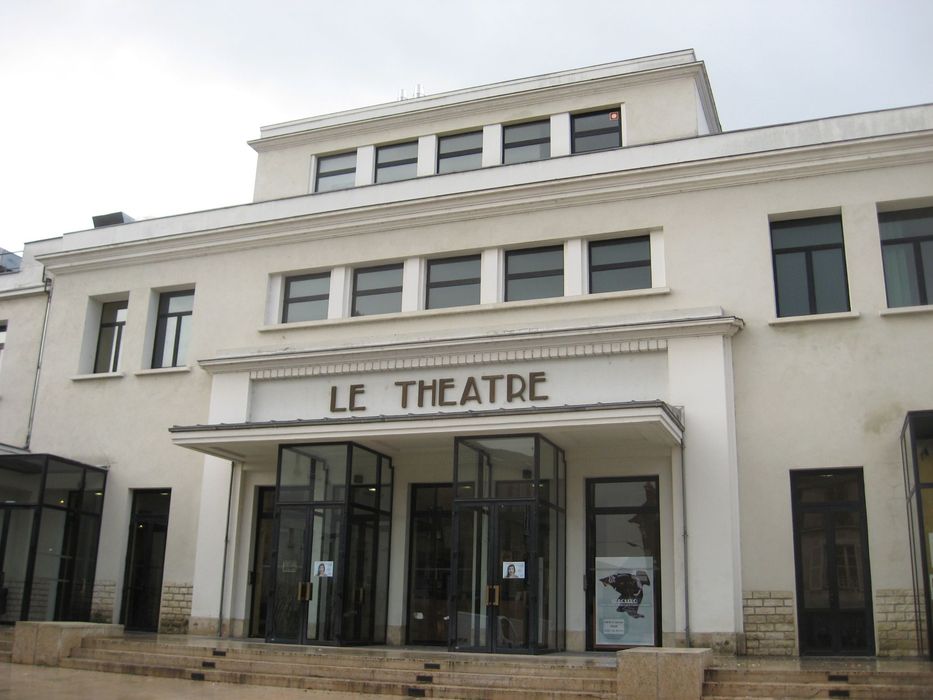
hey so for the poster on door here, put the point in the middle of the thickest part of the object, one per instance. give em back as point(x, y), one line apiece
point(624, 602)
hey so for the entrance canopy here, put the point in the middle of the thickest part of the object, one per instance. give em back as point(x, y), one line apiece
point(646, 422)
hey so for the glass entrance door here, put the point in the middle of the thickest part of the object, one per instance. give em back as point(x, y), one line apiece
point(429, 563)
point(831, 549)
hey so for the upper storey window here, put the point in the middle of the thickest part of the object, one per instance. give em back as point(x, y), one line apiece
point(173, 327)
point(596, 131)
point(907, 251)
point(397, 162)
point(460, 152)
point(620, 264)
point(377, 290)
point(306, 298)
point(335, 172)
point(453, 282)
point(535, 273)
point(809, 266)
point(526, 142)
point(2, 338)
point(110, 336)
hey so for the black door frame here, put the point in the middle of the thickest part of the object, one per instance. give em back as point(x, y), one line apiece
point(411, 559)
point(258, 573)
point(829, 507)
point(135, 521)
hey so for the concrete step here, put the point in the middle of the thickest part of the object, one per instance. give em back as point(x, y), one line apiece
point(759, 690)
point(363, 670)
point(851, 677)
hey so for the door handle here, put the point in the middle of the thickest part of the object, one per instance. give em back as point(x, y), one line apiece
point(304, 590)
point(492, 595)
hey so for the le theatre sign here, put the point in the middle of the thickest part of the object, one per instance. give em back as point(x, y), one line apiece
point(440, 392)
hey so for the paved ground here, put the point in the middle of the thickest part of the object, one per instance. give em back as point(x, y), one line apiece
point(19, 682)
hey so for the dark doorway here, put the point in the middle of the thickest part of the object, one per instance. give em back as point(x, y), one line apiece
point(834, 610)
point(429, 563)
point(260, 578)
point(145, 558)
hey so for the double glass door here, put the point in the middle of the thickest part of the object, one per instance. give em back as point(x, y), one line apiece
point(492, 601)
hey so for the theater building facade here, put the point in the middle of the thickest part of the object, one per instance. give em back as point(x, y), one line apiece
point(550, 364)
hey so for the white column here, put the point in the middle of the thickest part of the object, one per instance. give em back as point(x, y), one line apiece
point(338, 302)
point(656, 248)
point(492, 145)
point(490, 284)
point(365, 165)
point(427, 155)
point(700, 380)
point(413, 284)
point(229, 404)
point(560, 134)
point(576, 281)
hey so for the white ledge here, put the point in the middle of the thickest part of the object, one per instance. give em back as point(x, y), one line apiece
point(162, 370)
point(97, 375)
point(906, 310)
point(813, 318)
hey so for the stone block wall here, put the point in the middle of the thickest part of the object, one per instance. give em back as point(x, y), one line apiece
point(896, 623)
point(176, 608)
point(103, 600)
point(770, 629)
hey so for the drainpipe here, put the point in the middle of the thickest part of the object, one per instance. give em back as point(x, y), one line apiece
point(683, 504)
point(223, 570)
point(35, 385)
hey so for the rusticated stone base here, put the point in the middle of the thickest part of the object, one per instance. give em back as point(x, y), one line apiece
point(176, 608)
point(770, 629)
point(102, 602)
point(896, 621)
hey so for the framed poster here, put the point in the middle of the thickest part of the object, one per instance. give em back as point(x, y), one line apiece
point(624, 602)
point(324, 569)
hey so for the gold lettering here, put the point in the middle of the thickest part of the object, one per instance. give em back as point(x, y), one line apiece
point(443, 385)
point(405, 386)
point(333, 401)
point(470, 392)
point(513, 391)
point(491, 380)
point(425, 388)
point(356, 390)
point(535, 378)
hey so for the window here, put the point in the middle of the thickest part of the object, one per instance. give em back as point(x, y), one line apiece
point(173, 327)
point(526, 142)
point(596, 131)
point(907, 251)
point(621, 264)
point(306, 298)
point(453, 282)
point(335, 172)
point(377, 290)
point(809, 266)
point(534, 274)
point(398, 162)
point(110, 336)
point(2, 340)
point(460, 152)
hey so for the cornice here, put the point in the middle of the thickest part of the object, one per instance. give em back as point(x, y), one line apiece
point(575, 190)
point(461, 351)
point(16, 292)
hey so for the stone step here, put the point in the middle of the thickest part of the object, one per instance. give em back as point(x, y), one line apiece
point(330, 683)
point(364, 671)
point(815, 690)
point(846, 677)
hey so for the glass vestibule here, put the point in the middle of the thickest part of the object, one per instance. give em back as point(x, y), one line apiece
point(507, 563)
point(333, 511)
point(917, 447)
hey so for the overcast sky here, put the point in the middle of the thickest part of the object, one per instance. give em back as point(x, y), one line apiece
point(146, 106)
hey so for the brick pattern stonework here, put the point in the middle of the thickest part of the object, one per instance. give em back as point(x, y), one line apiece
point(176, 608)
point(896, 621)
point(102, 602)
point(769, 623)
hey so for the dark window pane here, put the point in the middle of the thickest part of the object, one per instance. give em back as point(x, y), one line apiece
point(458, 295)
point(113, 312)
point(900, 275)
point(315, 310)
point(926, 256)
point(620, 494)
point(107, 349)
point(459, 269)
point(595, 121)
point(308, 286)
point(906, 224)
point(829, 281)
point(329, 164)
point(526, 132)
point(535, 288)
point(184, 334)
point(387, 303)
point(525, 154)
point(400, 151)
point(543, 259)
point(339, 181)
point(397, 162)
point(792, 291)
point(181, 302)
point(596, 131)
point(456, 164)
point(396, 172)
point(460, 142)
point(622, 251)
point(823, 230)
point(379, 278)
point(595, 142)
point(93, 500)
point(620, 279)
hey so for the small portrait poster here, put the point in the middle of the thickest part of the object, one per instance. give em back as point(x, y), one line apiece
point(324, 569)
point(513, 569)
point(624, 602)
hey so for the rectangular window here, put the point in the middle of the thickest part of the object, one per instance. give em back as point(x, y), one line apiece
point(596, 131)
point(907, 252)
point(460, 152)
point(335, 172)
point(522, 143)
point(173, 328)
point(306, 298)
point(809, 266)
point(110, 336)
point(377, 290)
point(537, 273)
point(2, 340)
point(453, 282)
point(621, 264)
point(397, 162)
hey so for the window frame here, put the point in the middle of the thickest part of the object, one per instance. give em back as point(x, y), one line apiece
point(603, 267)
point(161, 327)
point(506, 146)
point(116, 345)
point(387, 167)
point(356, 293)
point(915, 243)
point(4, 327)
point(429, 285)
point(461, 153)
point(551, 272)
point(318, 176)
point(808, 251)
point(287, 301)
point(574, 133)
